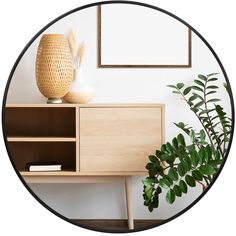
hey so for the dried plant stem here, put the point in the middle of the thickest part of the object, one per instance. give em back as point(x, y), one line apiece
point(80, 54)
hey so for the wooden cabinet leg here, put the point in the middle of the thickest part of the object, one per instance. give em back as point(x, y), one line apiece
point(128, 193)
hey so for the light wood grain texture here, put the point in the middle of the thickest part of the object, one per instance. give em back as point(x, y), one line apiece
point(129, 207)
point(85, 173)
point(48, 173)
point(119, 138)
point(116, 138)
point(84, 105)
point(67, 178)
point(77, 151)
point(40, 105)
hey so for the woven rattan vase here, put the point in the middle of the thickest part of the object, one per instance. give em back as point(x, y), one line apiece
point(54, 72)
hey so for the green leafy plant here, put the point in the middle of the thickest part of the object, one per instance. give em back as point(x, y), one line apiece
point(184, 163)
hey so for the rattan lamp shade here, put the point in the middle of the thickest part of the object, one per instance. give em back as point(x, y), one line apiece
point(54, 72)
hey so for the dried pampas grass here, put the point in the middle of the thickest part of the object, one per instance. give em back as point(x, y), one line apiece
point(80, 53)
point(72, 40)
point(77, 52)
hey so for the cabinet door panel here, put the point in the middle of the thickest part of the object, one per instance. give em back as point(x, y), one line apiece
point(119, 139)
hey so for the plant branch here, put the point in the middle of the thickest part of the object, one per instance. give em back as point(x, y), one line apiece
point(213, 131)
point(198, 118)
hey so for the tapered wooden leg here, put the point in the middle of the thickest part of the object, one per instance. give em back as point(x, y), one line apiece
point(128, 193)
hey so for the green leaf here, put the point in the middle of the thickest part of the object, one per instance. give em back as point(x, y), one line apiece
point(199, 83)
point(169, 148)
point(212, 79)
point(171, 158)
point(227, 87)
point(164, 183)
point(196, 174)
point(208, 153)
point(199, 104)
point(212, 87)
point(204, 112)
point(215, 163)
point(180, 85)
point(202, 135)
point(172, 86)
point(149, 166)
point(175, 143)
point(217, 155)
point(153, 159)
point(158, 153)
point(192, 98)
point(155, 202)
point(150, 208)
point(181, 169)
point(164, 156)
point(180, 125)
point(177, 191)
point(169, 179)
point(176, 92)
point(170, 196)
point(211, 92)
point(200, 97)
point(197, 88)
point(184, 127)
point(194, 109)
point(158, 190)
point(212, 74)
point(148, 182)
point(194, 158)
point(193, 136)
point(207, 170)
point(163, 148)
point(148, 191)
point(190, 180)
point(180, 139)
point(173, 174)
point(187, 163)
point(202, 77)
point(213, 100)
point(187, 90)
point(183, 186)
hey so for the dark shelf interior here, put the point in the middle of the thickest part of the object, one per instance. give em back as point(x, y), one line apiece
point(62, 152)
point(40, 121)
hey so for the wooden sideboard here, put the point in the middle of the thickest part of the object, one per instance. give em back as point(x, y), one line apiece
point(93, 142)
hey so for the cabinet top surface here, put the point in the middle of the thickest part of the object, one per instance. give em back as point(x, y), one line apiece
point(86, 105)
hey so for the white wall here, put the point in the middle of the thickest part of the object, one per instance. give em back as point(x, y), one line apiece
point(114, 85)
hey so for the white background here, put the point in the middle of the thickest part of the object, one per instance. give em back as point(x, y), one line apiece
point(151, 41)
point(211, 214)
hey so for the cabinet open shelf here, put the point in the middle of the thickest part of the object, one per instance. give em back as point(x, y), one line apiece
point(86, 139)
point(40, 122)
point(62, 152)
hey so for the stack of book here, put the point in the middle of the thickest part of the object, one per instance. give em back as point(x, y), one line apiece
point(43, 166)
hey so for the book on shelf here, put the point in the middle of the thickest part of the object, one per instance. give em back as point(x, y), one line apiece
point(43, 166)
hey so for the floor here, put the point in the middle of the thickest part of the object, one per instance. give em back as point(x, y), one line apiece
point(116, 225)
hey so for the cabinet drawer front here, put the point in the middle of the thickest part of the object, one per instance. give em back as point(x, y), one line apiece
point(119, 139)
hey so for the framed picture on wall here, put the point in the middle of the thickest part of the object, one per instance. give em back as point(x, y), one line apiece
point(127, 40)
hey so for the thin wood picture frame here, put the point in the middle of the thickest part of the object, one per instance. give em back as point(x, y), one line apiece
point(99, 49)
